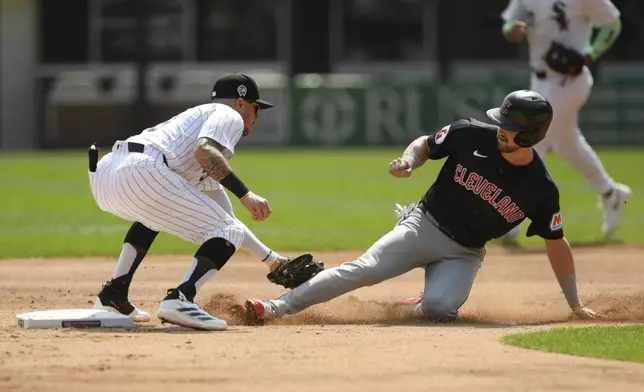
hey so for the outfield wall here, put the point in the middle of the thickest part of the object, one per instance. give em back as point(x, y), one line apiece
point(69, 77)
point(340, 109)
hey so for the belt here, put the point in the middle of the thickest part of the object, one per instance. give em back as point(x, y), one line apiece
point(444, 229)
point(543, 74)
point(440, 227)
point(135, 147)
point(138, 147)
point(92, 153)
point(132, 147)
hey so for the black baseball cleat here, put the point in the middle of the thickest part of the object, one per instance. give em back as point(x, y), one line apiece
point(110, 299)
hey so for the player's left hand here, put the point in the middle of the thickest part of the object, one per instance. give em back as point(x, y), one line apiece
point(400, 168)
point(403, 212)
point(257, 206)
point(582, 312)
point(296, 271)
point(517, 31)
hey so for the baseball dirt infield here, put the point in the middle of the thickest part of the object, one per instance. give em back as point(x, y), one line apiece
point(351, 343)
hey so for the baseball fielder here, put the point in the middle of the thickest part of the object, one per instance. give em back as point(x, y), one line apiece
point(491, 181)
point(169, 178)
point(558, 33)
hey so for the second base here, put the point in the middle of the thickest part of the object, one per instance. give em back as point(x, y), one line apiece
point(73, 318)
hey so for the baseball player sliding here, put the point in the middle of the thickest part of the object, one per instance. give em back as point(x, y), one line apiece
point(491, 181)
point(558, 33)
point(169, 178)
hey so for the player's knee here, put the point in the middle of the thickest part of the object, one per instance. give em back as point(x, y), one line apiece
point(233, 234)
point(140, 236)
point(438, 308)
point(217, 250)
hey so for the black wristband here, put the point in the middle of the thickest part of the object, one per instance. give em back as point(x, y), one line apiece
point(234, 184)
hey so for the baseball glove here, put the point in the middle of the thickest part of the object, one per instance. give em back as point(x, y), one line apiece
point(403, 212)
point(564, 60)
point(295, 272)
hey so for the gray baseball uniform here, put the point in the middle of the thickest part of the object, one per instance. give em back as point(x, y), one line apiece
point(415, 242)
point(477, 196)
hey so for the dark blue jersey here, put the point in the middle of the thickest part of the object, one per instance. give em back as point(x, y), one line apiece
point(478, 195)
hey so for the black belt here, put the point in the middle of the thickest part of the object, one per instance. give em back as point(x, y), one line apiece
point(440, 227)
point(138, 147)
point(92, 153)
point(135, 147)
point(445, 230)
point(542, 74)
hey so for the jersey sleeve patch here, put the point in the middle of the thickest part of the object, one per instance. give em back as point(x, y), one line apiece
point(441, 135)
point(555, 222)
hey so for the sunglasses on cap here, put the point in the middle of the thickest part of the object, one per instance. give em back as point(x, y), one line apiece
point(255, 106)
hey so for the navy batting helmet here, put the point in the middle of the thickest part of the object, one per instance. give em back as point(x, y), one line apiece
point(526, 112)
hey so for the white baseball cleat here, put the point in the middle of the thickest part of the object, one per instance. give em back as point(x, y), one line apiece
point(111, 300)
point(187, 314)
point(613, 206)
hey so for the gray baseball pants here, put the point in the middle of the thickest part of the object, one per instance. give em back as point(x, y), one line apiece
point(415, 242)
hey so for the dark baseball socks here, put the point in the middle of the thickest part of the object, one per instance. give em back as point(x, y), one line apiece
point(207, 261)
point(209, 258)
point(136, 244)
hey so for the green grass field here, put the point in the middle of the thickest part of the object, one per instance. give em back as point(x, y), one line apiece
point(322, 199)
point(619, 343)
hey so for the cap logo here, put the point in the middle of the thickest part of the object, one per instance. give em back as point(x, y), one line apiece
point(504, 108)
point(242, 90)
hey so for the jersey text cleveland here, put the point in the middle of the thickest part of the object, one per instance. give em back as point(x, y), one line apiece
point(489, 192)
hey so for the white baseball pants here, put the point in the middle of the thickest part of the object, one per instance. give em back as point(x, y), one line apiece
point(564, 135)
point(141, 187)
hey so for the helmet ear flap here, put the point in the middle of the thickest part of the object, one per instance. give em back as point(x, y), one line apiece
point(523, 140)
point(529, 138)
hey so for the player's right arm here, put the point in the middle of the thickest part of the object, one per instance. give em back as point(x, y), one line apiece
point(209, 154)
point(415, 155)
point(217, 139)
point(435, 146)
point(514, 16)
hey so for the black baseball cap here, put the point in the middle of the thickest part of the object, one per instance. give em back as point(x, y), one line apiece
point(236, 85)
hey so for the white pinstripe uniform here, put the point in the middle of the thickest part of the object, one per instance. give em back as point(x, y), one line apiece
point(169, 197)
point(569, 22)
